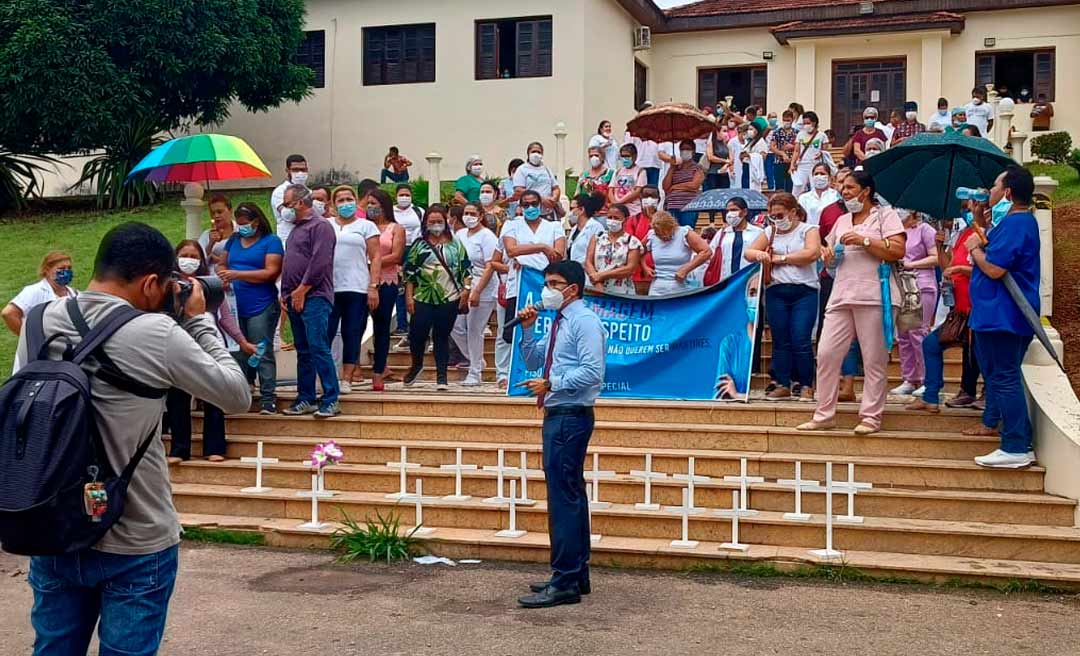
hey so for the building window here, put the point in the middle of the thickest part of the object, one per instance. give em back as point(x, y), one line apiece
point(312, 53)
point(1016, 70)
point(399, 54)
point(514, 47)
point(746, 84)
point(641, 85)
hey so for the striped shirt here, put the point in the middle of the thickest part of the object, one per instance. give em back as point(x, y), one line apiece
point(684, 172)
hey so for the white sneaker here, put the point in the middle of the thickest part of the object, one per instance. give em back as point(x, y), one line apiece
point(919, 392)
point(345, 387)
point(402, 345)
point(1001, 460)
point(470, 382)
point(904, 389)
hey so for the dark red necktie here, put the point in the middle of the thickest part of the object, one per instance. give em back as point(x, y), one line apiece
point(549, 358)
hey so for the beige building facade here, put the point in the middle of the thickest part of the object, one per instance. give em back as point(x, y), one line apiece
point(477, 77)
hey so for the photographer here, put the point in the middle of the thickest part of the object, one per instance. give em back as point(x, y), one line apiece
point(126, 579)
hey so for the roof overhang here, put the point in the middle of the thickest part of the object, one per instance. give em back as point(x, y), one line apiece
point(954, 23)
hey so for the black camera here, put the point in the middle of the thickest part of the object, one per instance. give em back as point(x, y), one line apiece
point(213, 292)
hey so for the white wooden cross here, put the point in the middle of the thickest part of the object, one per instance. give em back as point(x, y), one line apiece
point(744, 482)
point(684, 511)
point(418, 498)
point(593, 537)
point(321, 490)
point(314, 524)
point(851, 487)
point(500, 470)
point(403, 465)
point(828, 553)
point(691, 479)
point(458, 468)
point(523, 472)
point(648, 475)
point(799, 484)
point(259, 461)
point(735, 513)
point(595, 476)
point(512, 531)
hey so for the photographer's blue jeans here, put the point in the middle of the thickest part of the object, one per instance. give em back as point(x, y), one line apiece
point(313, 354)
point(129, 594)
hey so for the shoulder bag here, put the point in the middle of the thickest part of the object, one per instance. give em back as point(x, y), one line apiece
point(911, 310)
point(442, 261)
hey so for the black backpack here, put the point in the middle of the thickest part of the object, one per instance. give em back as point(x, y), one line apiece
point(50, 447)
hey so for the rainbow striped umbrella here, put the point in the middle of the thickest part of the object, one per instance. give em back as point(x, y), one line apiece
point(201, 158)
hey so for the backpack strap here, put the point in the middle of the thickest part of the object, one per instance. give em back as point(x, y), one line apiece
point(94, 339)
point(129, 470)
point(35, 331)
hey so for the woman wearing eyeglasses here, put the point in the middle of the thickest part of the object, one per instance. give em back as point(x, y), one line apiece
point(792, 247)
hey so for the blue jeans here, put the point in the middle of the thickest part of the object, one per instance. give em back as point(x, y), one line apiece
point(351, 313)
point(128, 594)
point(401, 311)
point(566, 439)
point(388, 297)
point(852, 364)
point(792, 313)
point(259, 329)
point(933, 355)
point(1000, 354)
point(313, 351)
point(387, 174)
point(652, 177)
point(685, 218)
point(770, 174)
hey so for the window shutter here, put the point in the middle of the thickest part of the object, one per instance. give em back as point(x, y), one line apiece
point(374, 45)
point(543, 48)
point(487, 49)
point(526, 49)
point(759, 86)
point(1044, 74)
point(706, 88)
point(984, 70)
point(410, 60)
point(427, 54)
point(392, 58)
point(641, 79)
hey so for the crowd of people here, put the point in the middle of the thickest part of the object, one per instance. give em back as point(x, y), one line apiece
point(339, 258)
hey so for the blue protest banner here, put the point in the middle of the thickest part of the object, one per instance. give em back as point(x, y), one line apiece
point(696, 346)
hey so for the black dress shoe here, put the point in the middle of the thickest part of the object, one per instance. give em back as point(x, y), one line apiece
point(583, 588)
point(550, 597)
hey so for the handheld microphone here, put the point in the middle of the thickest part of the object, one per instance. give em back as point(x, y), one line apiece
point(513, 323)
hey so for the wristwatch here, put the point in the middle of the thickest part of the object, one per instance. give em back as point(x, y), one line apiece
point(866, 242)
point(783, 259)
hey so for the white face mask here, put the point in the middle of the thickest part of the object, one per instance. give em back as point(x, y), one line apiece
point(911, 116)
point(318, 207)
point(188, 265)
point(477, 169)
point(594, 161)
point(487, 198)
point(436, 229)
point(614, 225)
point(650, 202)
point(552, 298)
point(404, 202)
point(300, 177)
point(786, 124)
point(871, 153)
point(854, 205)
point(783, 225)
point(977, 101)
point(733, 219)
point(687, 155)
point(536, 159)
point(821, 182)
point(471, 221)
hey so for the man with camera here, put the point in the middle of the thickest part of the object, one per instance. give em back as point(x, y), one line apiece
point(125, 580)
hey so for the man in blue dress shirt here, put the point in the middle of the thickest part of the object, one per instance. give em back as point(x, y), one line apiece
point(571, 357)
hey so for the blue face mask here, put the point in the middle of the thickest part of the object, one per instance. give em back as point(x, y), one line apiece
point(627, 162)
point(347, 210)
point(869, 122)
point(64, 277)
point(531, 213)
point(773, 122)
point(999, 211)
point(751, 309)
point(246, 230)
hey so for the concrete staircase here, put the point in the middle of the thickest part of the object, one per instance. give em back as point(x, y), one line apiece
point(932, 514)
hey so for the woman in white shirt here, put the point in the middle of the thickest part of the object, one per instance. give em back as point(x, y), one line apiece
point(355, 278)
point(676, 252)
point(792, 248)
point(808, 152)
point(480, 245)
point(55, 274)
point(606, 143)
point(821, 193)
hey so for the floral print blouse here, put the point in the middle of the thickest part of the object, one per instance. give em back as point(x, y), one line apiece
point(612, 255)
point(432, 283)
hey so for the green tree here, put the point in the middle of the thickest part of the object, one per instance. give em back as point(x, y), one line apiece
point(79, 76)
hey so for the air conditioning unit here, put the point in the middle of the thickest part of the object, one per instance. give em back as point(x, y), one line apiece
point(642, 38)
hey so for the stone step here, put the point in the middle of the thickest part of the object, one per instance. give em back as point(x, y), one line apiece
point(402, 403)
point(651, 553)
point(952, 505)
point(371, 445)
point(1049, 544)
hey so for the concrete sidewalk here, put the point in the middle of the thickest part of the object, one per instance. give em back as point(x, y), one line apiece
point(233, 601)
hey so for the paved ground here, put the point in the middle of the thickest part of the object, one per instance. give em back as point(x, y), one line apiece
point(242, 602)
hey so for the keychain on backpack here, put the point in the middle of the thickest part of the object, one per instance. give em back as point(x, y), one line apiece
point(95, 498)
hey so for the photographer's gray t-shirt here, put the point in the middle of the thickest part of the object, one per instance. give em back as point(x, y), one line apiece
point(154, 350)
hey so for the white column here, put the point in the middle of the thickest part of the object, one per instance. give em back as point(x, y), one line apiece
point(806, 76)
point(931, 75)
point(435, 180)
point(560, 156)
point(1045, 186)
point(193, 209)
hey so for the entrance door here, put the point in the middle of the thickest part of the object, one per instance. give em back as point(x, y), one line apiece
point(746, 84)
point(858, 84)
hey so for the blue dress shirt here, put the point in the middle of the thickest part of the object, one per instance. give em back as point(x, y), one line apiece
point(577, 364)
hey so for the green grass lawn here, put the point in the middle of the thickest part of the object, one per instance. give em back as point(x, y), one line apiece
point(1068, 179)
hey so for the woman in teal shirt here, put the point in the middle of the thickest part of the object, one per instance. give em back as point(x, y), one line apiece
point(467, 187)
